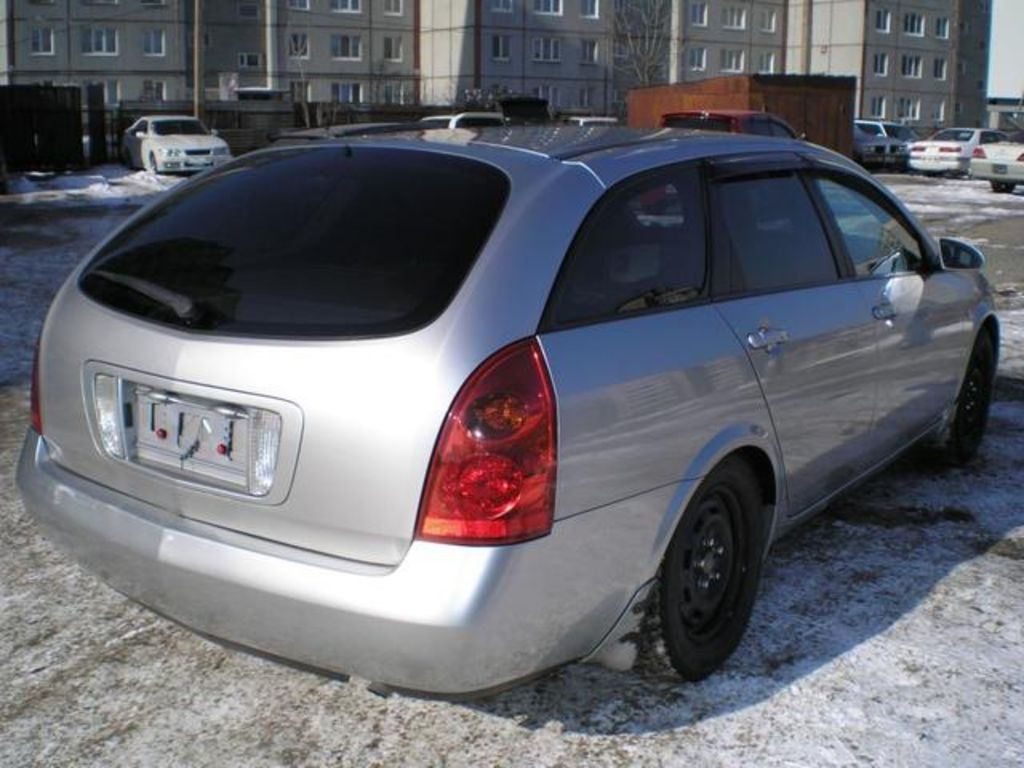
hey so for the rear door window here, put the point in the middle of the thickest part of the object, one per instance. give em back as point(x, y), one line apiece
point(335, 241)
point(641, 249)
point(768, 235)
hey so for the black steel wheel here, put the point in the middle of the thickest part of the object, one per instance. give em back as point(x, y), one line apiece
point(972, 404)
point(711, 570)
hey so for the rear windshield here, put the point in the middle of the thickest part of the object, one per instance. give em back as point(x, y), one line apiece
point(700, 123)
point(953, 134)
point(334, 241)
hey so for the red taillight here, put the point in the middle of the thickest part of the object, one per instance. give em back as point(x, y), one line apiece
point(950, 149)
point(492, 475)
point(37, 413)
point(1021, 158)
point(979, 153)
point(916, 148)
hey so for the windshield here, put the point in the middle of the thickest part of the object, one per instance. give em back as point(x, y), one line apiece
point(335, 241)
point(179, 128)
point(901, 132)
point(953, 134)
point(869, 129)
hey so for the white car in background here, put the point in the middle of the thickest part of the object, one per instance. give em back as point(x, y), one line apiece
point(950, 150)
point(1001, 164)
point(165, 143)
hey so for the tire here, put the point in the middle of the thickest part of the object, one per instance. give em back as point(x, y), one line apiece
point(711, 570)
point(972, 403)
point(1002, 186)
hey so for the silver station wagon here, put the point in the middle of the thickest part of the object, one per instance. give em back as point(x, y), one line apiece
point(446, 412)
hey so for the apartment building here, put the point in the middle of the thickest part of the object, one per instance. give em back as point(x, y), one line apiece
point(556, 49)
point(920, 62)
point(135, 48)
point(727, 37)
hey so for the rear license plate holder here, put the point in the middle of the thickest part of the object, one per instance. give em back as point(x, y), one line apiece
point(1000, 169)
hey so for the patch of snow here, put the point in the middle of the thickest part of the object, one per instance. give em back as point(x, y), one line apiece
point(105, 184)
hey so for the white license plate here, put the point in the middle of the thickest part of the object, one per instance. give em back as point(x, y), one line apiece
point(202, 440)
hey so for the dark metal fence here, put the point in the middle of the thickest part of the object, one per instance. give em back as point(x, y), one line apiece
point(41, 127)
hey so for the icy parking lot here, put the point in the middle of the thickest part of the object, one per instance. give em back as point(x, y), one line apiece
point(889, 630)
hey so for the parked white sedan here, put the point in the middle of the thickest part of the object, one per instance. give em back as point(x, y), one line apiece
point(949, 150)
point(1002, 164)
point(163, 143)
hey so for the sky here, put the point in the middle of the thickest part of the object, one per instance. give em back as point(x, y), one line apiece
point(1006, 64)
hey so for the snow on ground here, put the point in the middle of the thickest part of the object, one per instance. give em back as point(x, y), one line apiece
point(889, 630)
point(110, 184)
point(959, 203)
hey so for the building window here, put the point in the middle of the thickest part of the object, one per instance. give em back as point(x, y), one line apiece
point(697, 59)
point(877, 107)
point(732, 60)
point(347, 93)
point(547, 49)
point(588, 52)
point(939, 69)
point(42, 41)
point(883, 21)
point(958, 108)
point(768, 21)
point(346, 47)
point(939, 112)
point(910, 66)
point(699, 14)
point(248, 9)
point(881, 65)
point(766, 63)
point(393, 93)
point(913, 24)
point(153, 42)
point(588, 9)
point(549, 92)
point(346, 6)
point(908, 109)
point(154, 90)
point(501, 6)
point(586, 99)
point(111, 91)
point(153, 2)
point(298, 45)
point(392, 7)
point(942, 30)
point(99, 41)
point(299, 90)
point(550, 7)
point(248, 60)
point(392, 49)
point(298, 5)
point(734, 18)
point(500, 47)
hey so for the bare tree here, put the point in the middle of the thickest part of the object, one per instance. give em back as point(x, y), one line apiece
point(641, 33)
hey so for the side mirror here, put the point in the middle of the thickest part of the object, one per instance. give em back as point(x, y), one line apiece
point(214, 132)
point(140, 134)
point(957, 254)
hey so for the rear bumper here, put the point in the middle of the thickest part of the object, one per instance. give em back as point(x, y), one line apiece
point(993, 170)
point(939, 164)
point(447, 619)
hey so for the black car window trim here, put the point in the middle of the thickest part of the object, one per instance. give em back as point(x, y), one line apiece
point(548, 322)
point(721, 286)
point(868, 190)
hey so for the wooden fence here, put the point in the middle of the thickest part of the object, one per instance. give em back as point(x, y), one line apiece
point(41, 127)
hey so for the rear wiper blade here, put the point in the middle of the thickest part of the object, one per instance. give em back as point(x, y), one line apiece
point(182, 306)
point(658, 297)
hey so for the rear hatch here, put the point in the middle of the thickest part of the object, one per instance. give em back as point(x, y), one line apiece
point(257, 351)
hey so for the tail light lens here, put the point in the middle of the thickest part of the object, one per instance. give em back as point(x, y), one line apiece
point(492, 475)
point(916, 148)
point(979, 153)
point(1021, 158)
point(37, 412)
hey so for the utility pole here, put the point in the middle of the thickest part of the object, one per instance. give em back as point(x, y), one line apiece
point(197, 59)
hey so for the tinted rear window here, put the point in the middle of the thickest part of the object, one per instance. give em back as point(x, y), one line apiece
point(700, 123)
point(325, 242)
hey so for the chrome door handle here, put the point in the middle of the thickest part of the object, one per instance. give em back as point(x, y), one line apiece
point(767, 338)
point(883, 311)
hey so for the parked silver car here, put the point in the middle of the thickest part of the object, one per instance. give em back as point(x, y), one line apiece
point(447, 415)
